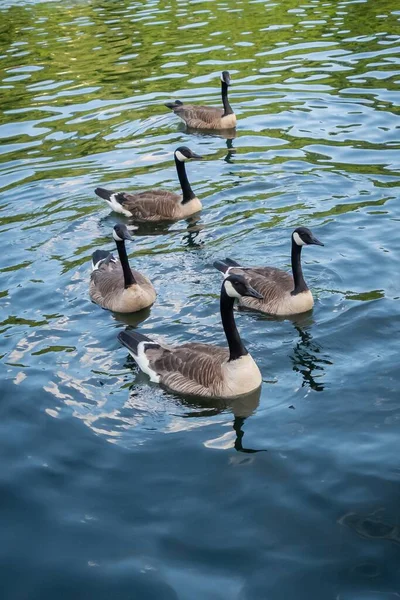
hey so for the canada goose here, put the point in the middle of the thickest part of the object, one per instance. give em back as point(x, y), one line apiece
point(207, 117)
point(201, 369)
point(113, 284)
point(282, 293)
point(158, 205)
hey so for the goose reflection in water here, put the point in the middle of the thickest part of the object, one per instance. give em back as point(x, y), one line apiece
point(191, 230)
point(242, 407)
point(141, 229)
point(226, 134)
point(308, 358)
point(192, 238)
point(132, 319)
point(237, 426)
point(231, 150)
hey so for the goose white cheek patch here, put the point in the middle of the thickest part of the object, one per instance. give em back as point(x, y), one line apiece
point(116, 236)
point(230, 290)
point(181, 157)
point(298, 239)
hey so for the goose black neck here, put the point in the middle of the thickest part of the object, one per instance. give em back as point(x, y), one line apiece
point(299, 283)
point(224, 93)
point(187, 192)
point(123, 257)
point(236, 347)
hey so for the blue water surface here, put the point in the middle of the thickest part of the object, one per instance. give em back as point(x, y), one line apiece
point(109, 486)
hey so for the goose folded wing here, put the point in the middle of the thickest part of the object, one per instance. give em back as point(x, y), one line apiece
point(108, 280)
point(199, 114)
point(110, 277)
point(151, 205)
point(271, 283)
point(282, 278)
point(191, 368)
point(140, 279)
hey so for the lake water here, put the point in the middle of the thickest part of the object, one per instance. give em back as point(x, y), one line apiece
point(109, 486)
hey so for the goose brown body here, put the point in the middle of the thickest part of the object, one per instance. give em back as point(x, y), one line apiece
point(158, 205)
point(201, 369)
point(107, 289)
point(207, 117)
point(281, 293)
point(113, 284)
point(204, 117)
point(276, 287)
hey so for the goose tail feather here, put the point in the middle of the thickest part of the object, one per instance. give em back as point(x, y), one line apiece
point(174, 104)
point(103, 193)
point(98, 256)
point(138, 346)
point(221, 266)
point(225, 265)
point(231, 263)
point(136, 342)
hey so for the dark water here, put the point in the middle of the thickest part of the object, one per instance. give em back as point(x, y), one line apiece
point(109, 487)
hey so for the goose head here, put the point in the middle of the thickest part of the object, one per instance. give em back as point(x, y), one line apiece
point(183, 153)
point(226, 78)
point(121, 232)
point(302, 236)
point(236, 286)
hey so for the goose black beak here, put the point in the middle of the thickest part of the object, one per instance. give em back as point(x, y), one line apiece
point(316, 241)
point(128, 236)
point(253, 293)
point(196, 156)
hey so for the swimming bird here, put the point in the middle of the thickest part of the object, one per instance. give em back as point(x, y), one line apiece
point(201, 369)
point(207, 117)
point(158, 205)
point(113, 284)
point(282, 293)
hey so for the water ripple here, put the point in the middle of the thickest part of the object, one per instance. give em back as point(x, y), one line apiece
point(315, 88)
